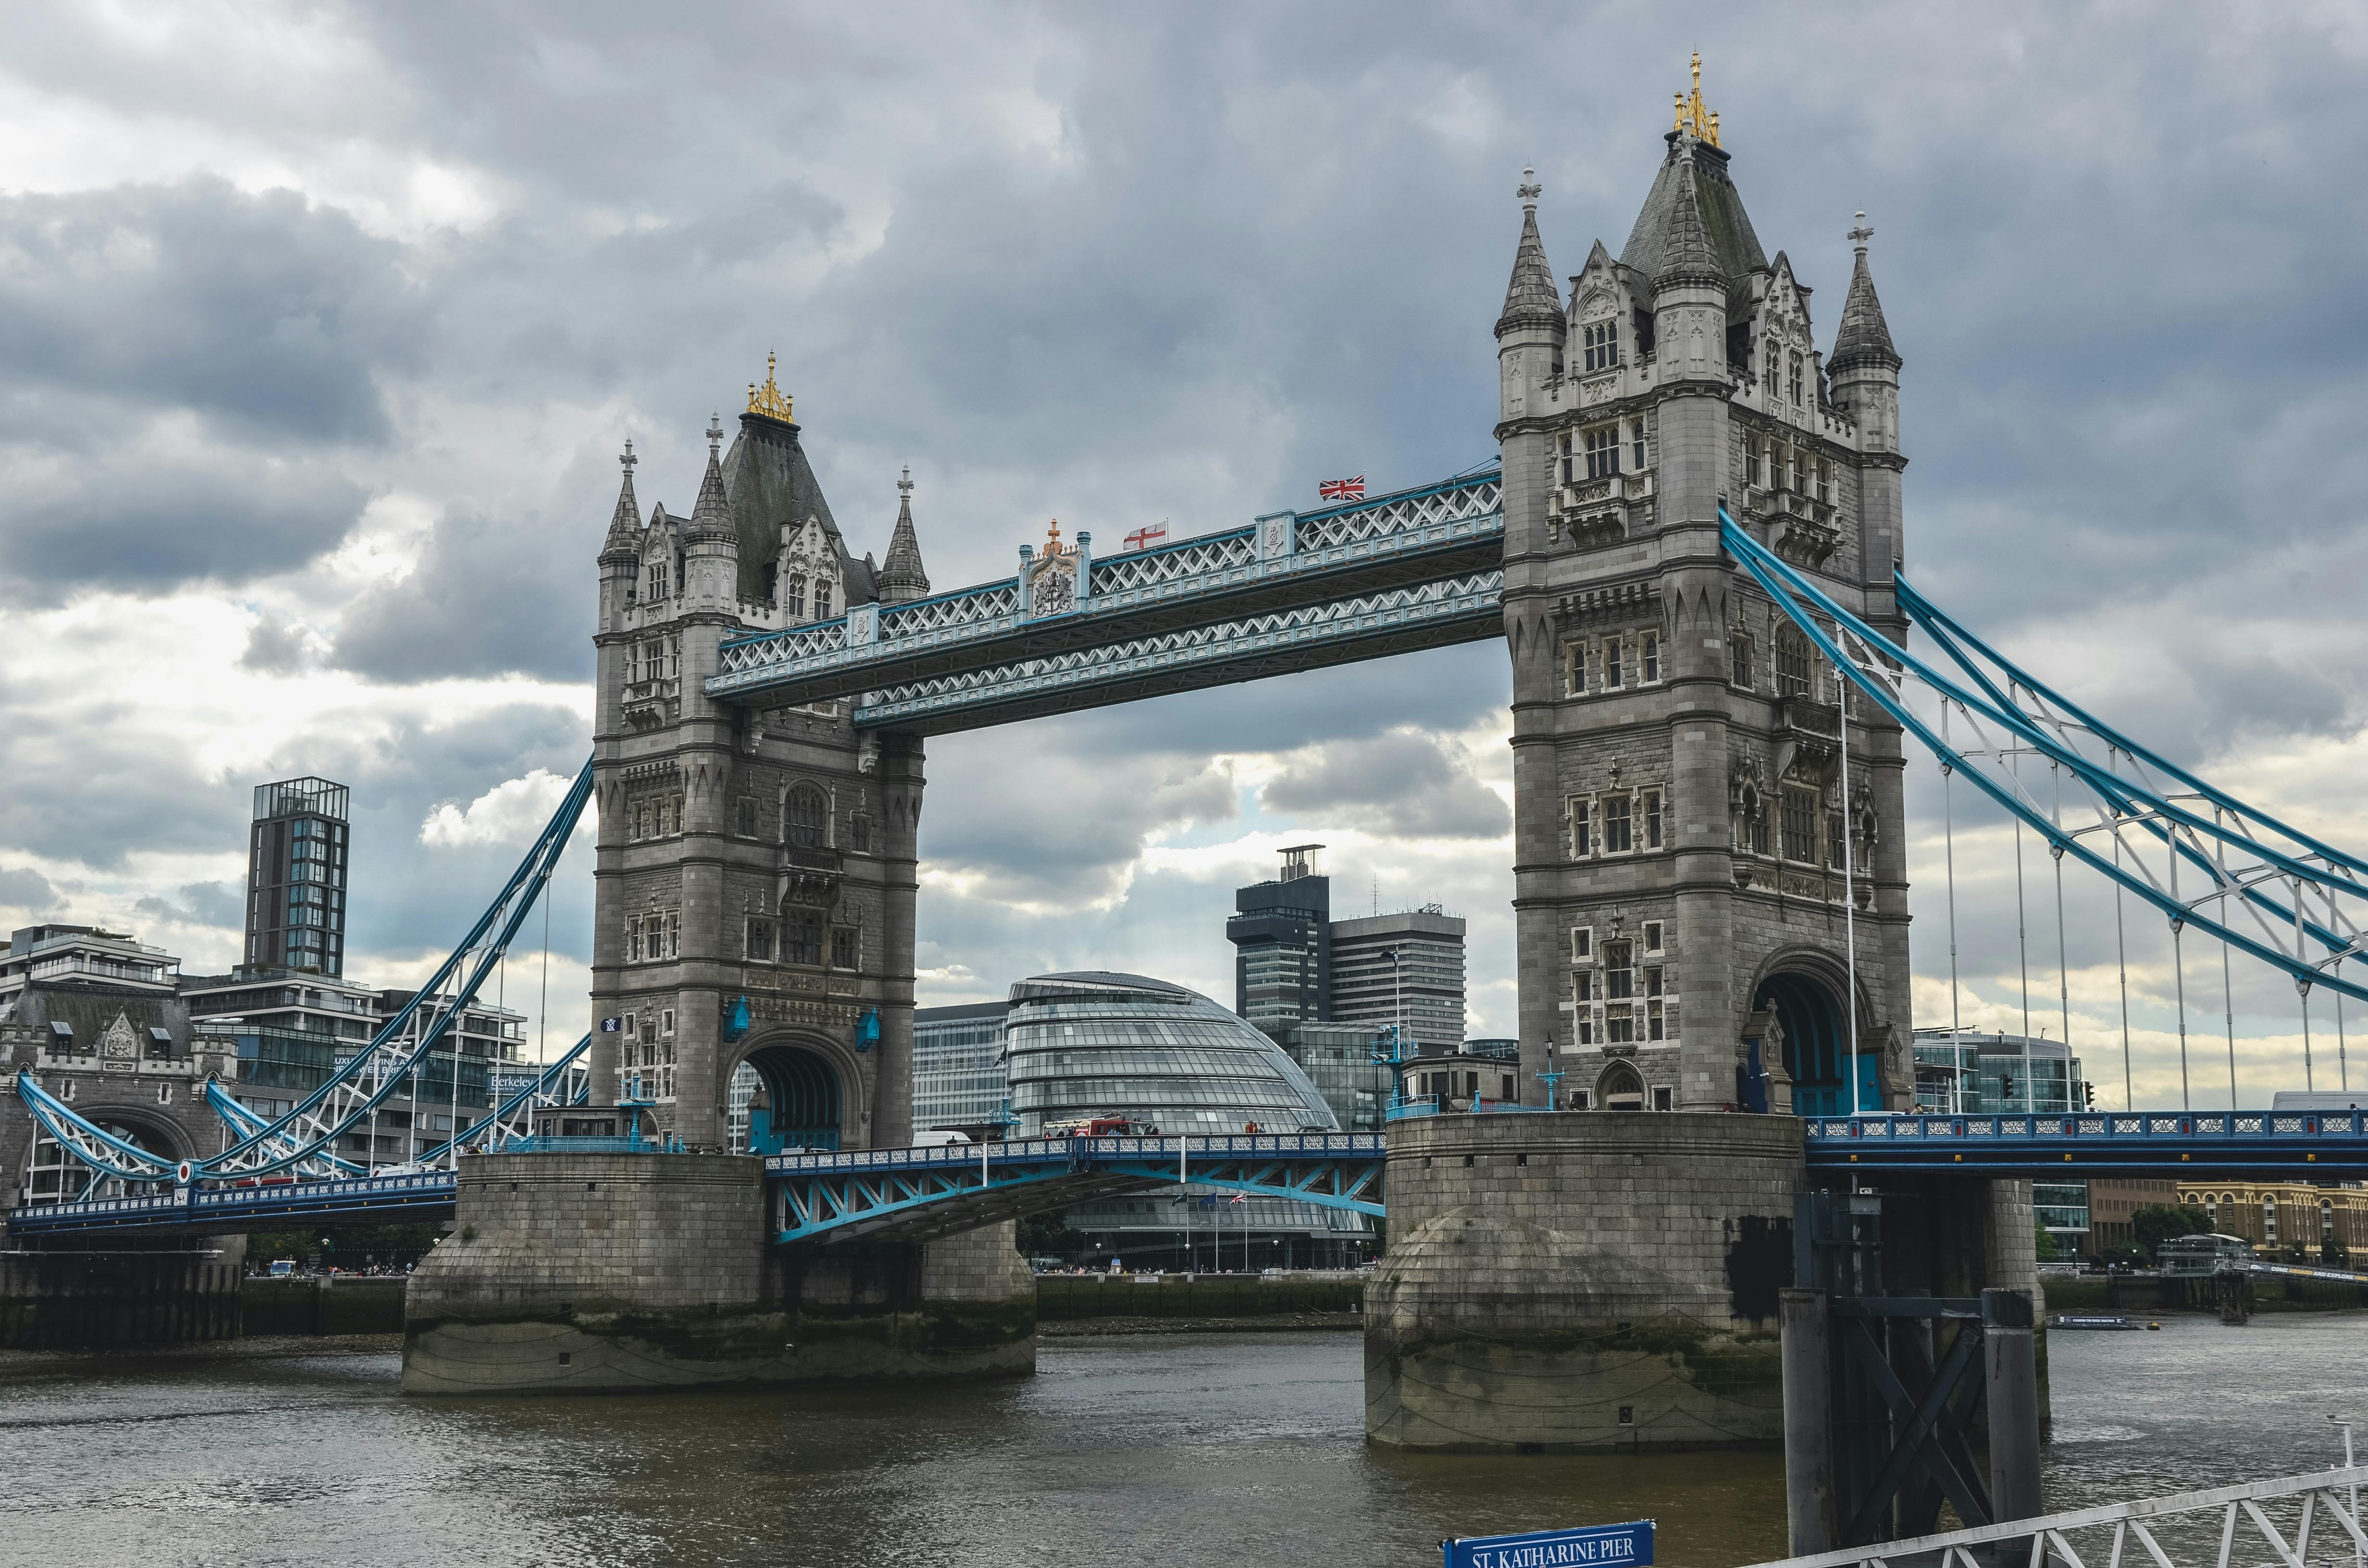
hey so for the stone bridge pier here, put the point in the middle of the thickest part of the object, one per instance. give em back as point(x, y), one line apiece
point(1606, 1280)
point(610, 1272)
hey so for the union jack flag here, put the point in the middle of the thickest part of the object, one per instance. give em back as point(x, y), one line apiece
point(1342, 489)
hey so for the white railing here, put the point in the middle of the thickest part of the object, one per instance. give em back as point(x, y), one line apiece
point(2121, 1532)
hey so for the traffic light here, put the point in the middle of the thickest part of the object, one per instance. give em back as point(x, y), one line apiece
point(2088, 1097)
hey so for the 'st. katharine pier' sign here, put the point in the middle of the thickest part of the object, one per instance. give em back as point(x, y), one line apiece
point(1596, 1546)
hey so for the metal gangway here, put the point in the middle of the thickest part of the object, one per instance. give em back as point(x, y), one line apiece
point(2276, 1523)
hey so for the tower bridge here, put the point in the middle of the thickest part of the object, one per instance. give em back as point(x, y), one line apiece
point(1692, 546)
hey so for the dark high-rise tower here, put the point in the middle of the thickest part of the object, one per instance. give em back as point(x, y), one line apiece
point(296, 877)
point(1282, 951)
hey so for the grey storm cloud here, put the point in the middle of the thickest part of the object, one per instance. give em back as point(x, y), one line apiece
point(1116, 264)
point(219, 904)
point(1402, 782)
point(489, 596)
point(23, 888)
point(266, 315)
point(150, 526)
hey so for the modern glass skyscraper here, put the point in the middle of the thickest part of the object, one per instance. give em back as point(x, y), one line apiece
point(296, 877)
point(958, 1084)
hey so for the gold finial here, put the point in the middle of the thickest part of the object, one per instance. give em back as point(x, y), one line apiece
point(1053, 545)
point(1691, 116)
point(770, 399)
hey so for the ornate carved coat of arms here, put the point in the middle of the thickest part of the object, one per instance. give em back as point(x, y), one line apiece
point(119, 1048)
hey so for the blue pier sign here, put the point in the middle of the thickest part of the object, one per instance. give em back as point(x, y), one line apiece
point(1595, 1546)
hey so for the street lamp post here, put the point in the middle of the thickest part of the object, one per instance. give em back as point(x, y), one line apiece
point(1551, 1077)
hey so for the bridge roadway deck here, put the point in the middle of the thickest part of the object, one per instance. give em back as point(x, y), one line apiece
point(924, 1194)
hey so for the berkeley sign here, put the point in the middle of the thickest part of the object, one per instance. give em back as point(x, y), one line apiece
point(1596, 1546)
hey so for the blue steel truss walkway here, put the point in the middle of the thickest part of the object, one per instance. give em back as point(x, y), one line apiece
point(1420, 568)
point(2162, 1143)
point(918, 1195)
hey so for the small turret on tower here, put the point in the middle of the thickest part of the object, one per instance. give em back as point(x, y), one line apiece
point(1864, 367)
point(711, 542)
point(900, 578)
point(1531, 329)
point(624, 524)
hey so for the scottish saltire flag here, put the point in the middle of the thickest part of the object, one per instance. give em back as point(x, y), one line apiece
point(1342, 489)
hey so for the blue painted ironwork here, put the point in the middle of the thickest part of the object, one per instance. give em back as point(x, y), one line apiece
point(1241, 577)
point(918, 1194)
point(563, 1082)
point(300, 1139)
point(2271, 884)
point(2162, 1143)
point(418, 1194)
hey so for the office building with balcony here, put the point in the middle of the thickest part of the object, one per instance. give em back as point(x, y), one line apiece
point(295, 1029)
point(296, 877)
point(1096, 1042)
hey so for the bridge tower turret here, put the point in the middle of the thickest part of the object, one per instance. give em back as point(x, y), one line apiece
point(1678, 868)
point(755, 877)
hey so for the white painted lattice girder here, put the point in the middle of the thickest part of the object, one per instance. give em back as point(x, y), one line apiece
point(1406, 525)
point(1456, 598)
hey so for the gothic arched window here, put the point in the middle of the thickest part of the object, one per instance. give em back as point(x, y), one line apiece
point(1794, 386)
point(822, 599)
point(805, 818)
point(794, 597)
point(1791, 661)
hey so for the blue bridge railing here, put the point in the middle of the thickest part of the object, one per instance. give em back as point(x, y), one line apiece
point(235, 1207)
point(2159, 1141)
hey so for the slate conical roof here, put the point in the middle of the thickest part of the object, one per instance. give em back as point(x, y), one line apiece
point(1687, 254)
point(712, 518)
point(1865, 337)
point(1531, 298)
point(1700, 168)
point(625, 523)
point(900, 578)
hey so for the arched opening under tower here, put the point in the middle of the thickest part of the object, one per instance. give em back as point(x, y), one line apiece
point(1816, 1042)
point(1619, 1088)
point(796, 1104)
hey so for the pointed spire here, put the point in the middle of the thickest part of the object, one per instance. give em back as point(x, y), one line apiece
point(712, 517)
point(1686, 253)
point(1865, 337)
point(625, 523)
point(900, 578)
point(1530, 299)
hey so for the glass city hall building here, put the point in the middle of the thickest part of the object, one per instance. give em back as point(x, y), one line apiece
point(1100, 1043)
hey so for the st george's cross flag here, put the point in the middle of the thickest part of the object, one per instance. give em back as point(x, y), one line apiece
point(1342, 489)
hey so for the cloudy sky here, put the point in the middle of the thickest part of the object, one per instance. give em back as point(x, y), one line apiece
point(321, 325)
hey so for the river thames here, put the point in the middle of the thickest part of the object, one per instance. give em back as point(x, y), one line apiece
point(1184, 1448)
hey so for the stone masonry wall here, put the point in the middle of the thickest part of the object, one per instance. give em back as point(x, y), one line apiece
point(1582, 1281)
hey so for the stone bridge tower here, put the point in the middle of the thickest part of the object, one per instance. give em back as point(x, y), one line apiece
point(755, 868)
point(1684, 930)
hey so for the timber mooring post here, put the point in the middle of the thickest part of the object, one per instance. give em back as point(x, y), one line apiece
point(1809, 1420)
point(2011, 1356)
